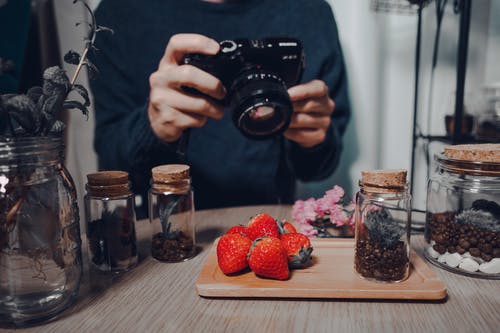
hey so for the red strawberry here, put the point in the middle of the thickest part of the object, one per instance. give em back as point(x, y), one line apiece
point(237, 229)
point(286, 227)
point(262, 225)
point(298, 248)
point(267, 258)
point(232, 251)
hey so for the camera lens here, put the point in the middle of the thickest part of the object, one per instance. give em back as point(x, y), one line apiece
point(260, 104)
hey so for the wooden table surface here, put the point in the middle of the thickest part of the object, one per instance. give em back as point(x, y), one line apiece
point(161, 297)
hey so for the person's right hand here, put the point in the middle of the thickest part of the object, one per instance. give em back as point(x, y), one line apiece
point(171, 110)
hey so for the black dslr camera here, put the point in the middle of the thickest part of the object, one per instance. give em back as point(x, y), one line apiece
point(256, 74)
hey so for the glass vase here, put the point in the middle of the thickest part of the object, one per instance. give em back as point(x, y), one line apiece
point(40, 245)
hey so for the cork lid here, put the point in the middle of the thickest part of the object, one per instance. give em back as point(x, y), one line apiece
point(108, 184)
point(103, 178)
point(170, 172)
point(383, 181)
point(171, 178)
point(486, 152)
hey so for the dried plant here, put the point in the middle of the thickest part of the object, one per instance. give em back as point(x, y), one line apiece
point(383, 228)
point(479, 219)
point(34, 114)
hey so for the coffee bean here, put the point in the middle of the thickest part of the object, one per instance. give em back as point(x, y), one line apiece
point(439, 248)
point(487, 248)
point(464, 244)
point(474, 251)
point(486, 257)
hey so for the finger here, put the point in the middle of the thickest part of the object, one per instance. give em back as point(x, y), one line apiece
point(181, 44)
point(308, 121)
point(185, 102)
point(323, 105)
point(168, 123)
point(306, 137)
point(188, 76)
point(312, 89)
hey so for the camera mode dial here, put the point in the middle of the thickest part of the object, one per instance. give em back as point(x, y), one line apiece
point(228, 46)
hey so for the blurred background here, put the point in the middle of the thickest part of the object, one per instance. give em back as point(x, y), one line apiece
point(379, 40)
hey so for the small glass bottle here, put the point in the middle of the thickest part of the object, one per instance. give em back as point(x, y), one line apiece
point(382, 231)
point(110, 217)
point(171, 209)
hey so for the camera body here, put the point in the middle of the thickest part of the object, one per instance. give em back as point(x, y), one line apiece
point(256, 74)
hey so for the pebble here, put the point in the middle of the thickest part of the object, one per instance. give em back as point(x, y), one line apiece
point(433, 253)
point(442, 258)
point(469, 264)
point(491, 267)
point(453, 260)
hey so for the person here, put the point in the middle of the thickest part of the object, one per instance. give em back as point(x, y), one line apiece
point(143, 113)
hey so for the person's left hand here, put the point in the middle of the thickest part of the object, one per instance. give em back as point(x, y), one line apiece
point(312, 108)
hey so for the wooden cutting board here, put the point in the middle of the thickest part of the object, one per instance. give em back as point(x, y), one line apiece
point(331, 276)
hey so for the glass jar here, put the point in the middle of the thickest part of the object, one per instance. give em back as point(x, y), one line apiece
point(171, 210)
point(40, 245)
point(382, 217)
point(463, 213)
point(110, 221)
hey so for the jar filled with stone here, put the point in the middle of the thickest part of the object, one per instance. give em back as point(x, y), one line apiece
point(171, 210)
point(463, 211)
point(383, 210)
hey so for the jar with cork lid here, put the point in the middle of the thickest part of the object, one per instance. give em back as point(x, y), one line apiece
point(110, 222)
point(382, 230)
point(171, 210)
point(462, 228)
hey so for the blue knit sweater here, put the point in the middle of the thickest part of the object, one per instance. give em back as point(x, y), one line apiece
point(227, 168)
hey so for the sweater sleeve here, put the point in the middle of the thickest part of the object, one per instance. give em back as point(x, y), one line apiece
point(319, 162)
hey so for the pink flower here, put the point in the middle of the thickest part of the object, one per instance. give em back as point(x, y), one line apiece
point(335, 194)
point(338, 216)
point(332, 207)
point(303, 212)
point(308, 230)
point(322, 207)
point(329, 201)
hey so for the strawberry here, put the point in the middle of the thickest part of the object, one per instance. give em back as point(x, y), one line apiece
point(262, 225)
point(267, 258)
point(232, 251)
point(237, 229)
point(298, 248)
point(286, 227)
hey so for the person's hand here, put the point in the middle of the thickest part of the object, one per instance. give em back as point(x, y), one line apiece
point(171, 110)
point(312, 108)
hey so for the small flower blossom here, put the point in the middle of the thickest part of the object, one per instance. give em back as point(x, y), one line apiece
point(333, 210)
point(308, 230)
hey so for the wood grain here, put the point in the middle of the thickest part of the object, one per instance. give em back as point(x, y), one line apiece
point(161, 297)
point(331, 276)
